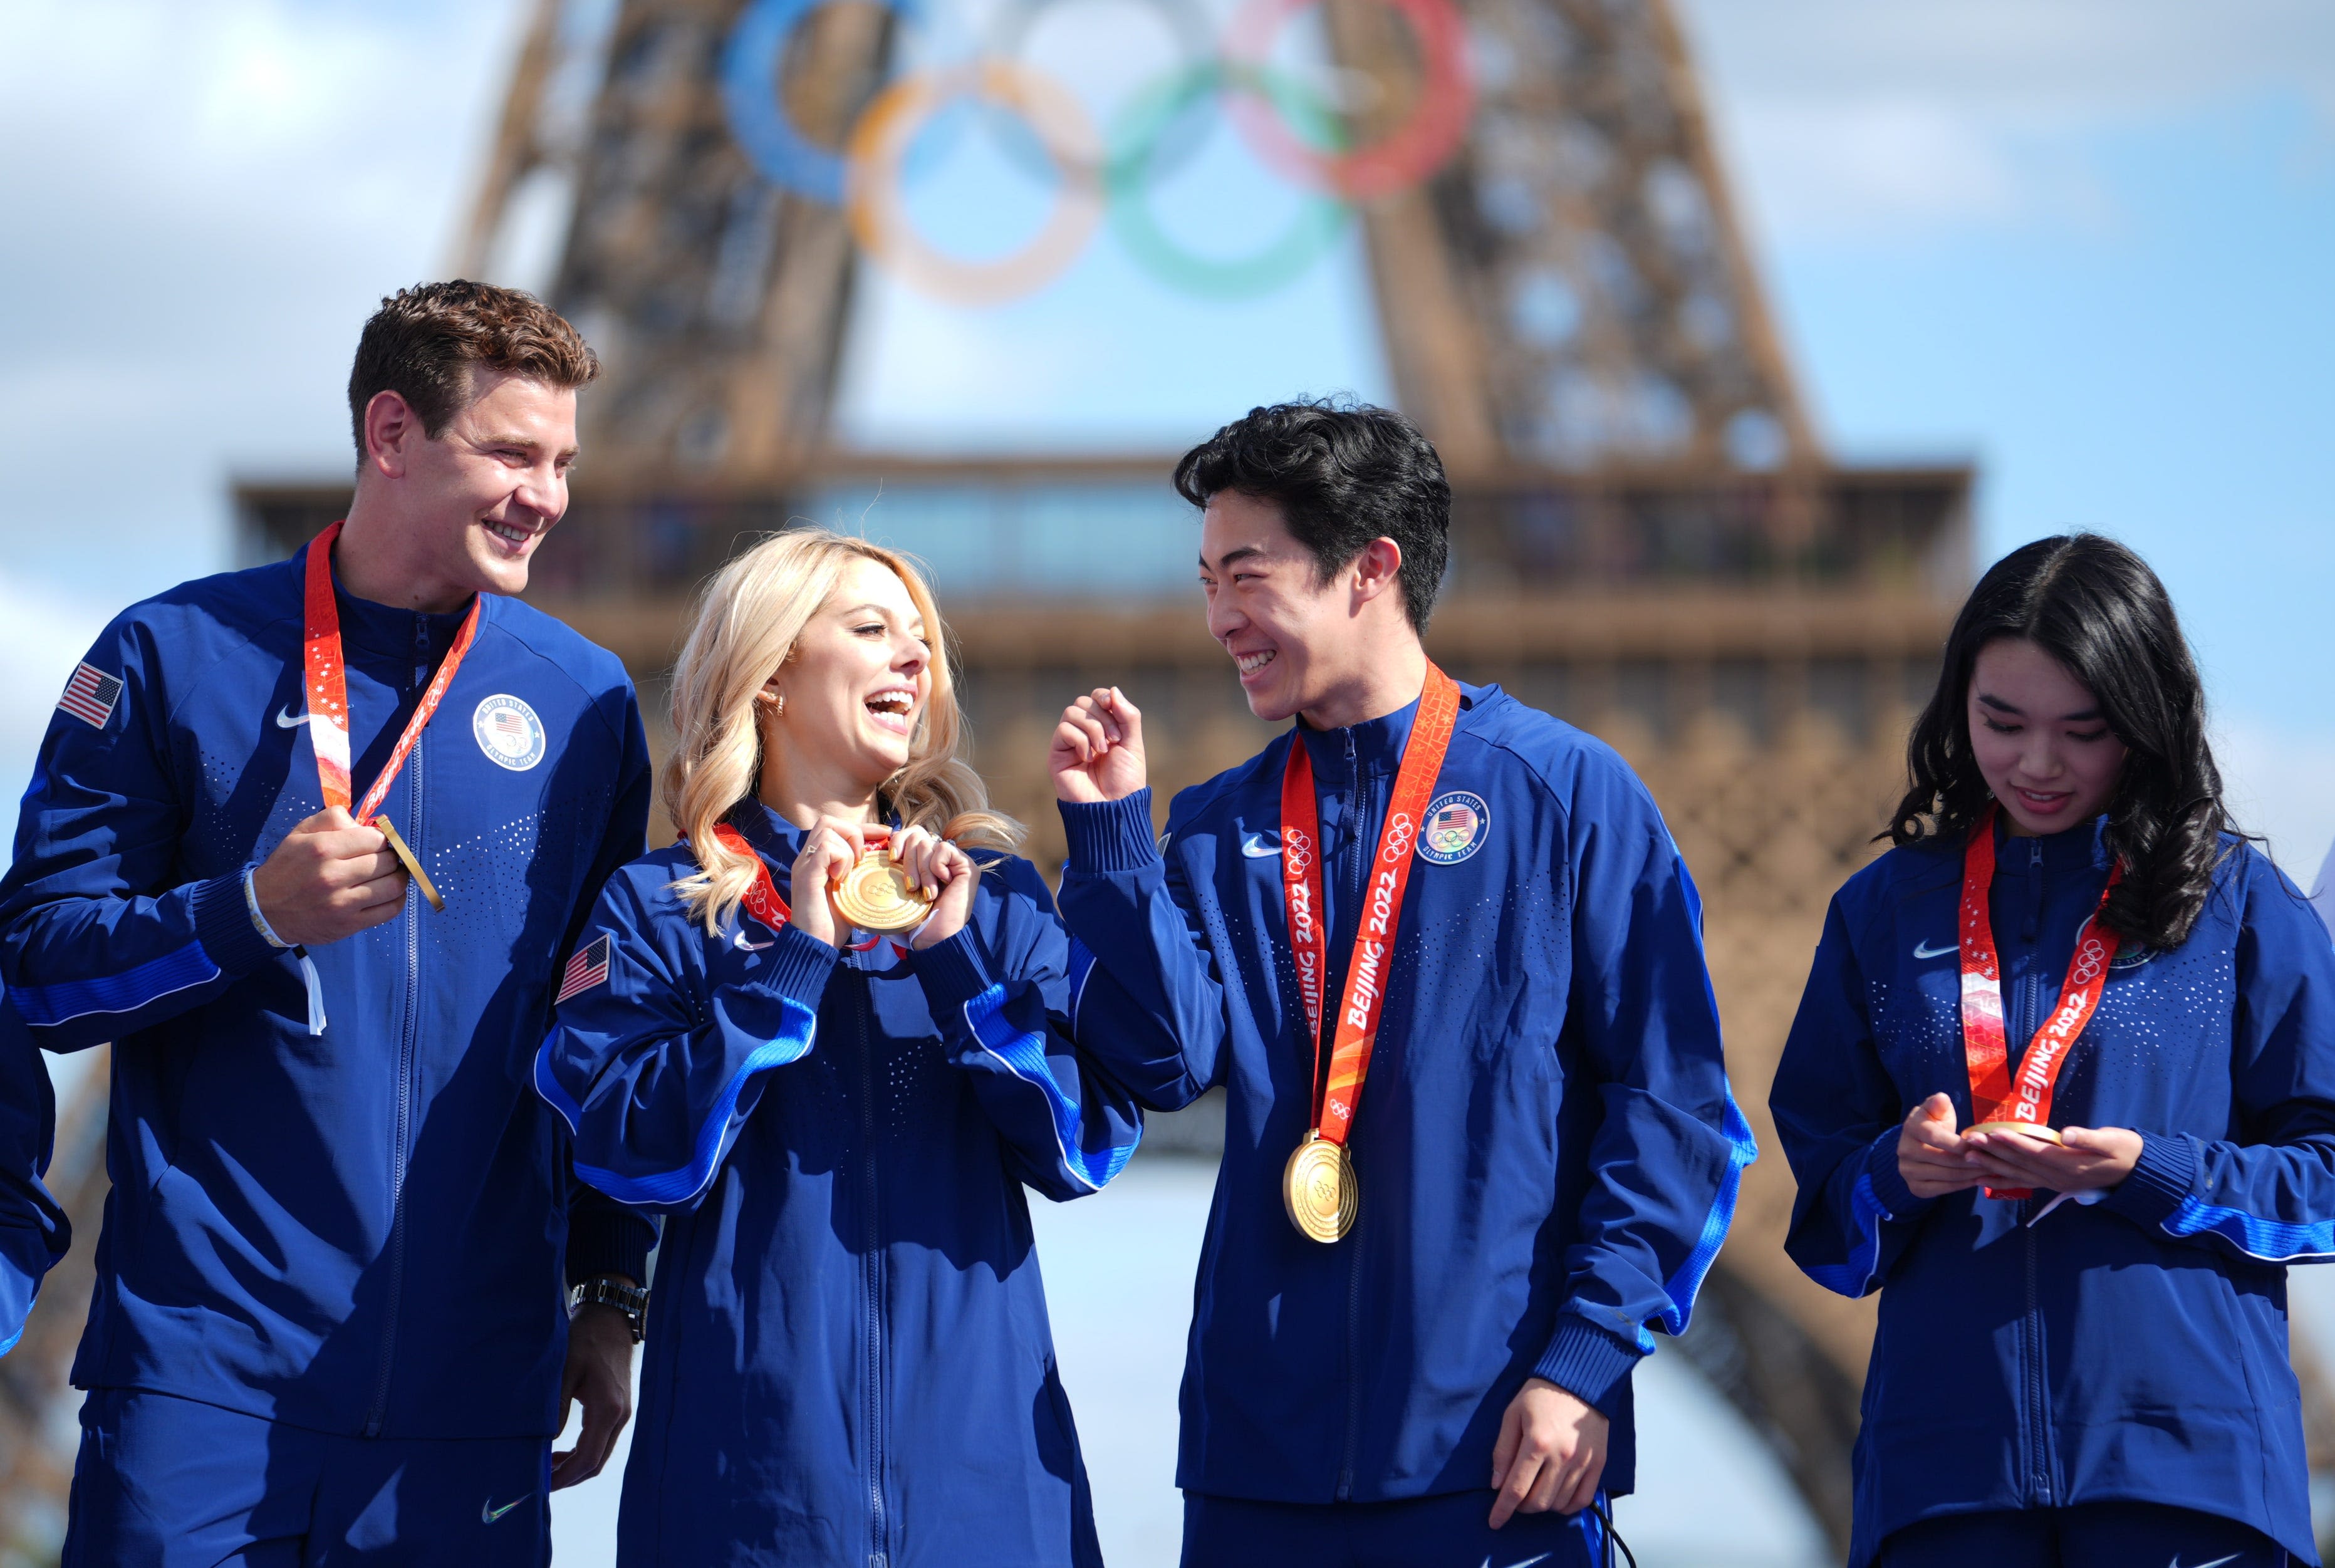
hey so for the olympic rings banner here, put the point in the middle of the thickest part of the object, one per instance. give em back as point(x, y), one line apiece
point(1106, 176)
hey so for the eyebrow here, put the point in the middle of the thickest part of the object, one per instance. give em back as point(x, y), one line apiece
point(1245, 552)
point(2079, 717)
point(528, 443)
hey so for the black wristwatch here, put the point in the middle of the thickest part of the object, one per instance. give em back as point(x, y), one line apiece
point(607, 1292)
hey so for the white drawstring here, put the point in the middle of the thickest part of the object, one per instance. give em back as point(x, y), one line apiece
point(316, 985)
point(309, 975)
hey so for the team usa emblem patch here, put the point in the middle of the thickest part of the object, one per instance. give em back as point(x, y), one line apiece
point(90, 694)
point(509, 732)
point(1455, 825)
point(587, 968)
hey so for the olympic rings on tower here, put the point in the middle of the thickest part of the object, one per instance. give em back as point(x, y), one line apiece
point(1287, 124)
point(1134, 144)
point(882, 141)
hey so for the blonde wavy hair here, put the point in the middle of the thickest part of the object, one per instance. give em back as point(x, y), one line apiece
point(747, 620)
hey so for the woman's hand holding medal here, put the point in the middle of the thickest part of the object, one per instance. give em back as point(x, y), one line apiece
point(2083, 1159)
point(943, 872)
point(831, 847)
point(1936, 1158)
point(931, 871)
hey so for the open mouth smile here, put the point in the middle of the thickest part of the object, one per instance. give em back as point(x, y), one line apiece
point(1250, 664)
point(514, 537)
point(894, 708)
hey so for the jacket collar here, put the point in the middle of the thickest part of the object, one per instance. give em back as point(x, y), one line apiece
point(1377, 742)
point(777, 840)
point(2083, 847)
point(384, 628)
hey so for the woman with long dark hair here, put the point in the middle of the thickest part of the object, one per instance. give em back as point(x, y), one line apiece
point(2062, 1088)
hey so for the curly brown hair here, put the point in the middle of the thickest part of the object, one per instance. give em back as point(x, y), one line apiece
point(424, 341)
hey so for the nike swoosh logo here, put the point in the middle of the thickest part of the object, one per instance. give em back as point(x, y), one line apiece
point(489, 1512)
point(2216, 1563)
point(1923, 950)
point(1257, 849)
point(746, 946)
point(286, 720)
point(1544, 1556)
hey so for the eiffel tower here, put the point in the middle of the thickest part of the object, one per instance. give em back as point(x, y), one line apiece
point(1648, 538)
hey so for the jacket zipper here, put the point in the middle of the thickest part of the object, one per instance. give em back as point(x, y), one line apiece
point(1364, 850)
point(872, 1274)
point(2039, 1416)
point(405, 1054)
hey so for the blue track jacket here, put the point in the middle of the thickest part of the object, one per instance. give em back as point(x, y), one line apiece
point(848, 1360)
point(2135, 1350)
point(360, 1232)
point(1547, 1150)
point(33, 1231)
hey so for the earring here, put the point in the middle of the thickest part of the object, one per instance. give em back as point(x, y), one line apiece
point(780, 706)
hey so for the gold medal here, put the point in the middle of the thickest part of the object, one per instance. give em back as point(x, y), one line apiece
point(397, 847)
point(2033, 1129)
point(877, 895)
point(1318, 1188)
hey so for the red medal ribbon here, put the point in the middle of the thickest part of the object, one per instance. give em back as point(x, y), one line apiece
point(328, 686)
point(763, 900)
point(1995, 1096)
point(1381, 914)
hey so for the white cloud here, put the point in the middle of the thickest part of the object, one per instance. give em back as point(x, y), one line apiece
point(216, 195)
point(1847, 119)
point(2281, 784)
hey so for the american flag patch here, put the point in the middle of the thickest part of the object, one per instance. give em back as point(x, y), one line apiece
point(90, 694)
point(587, 968)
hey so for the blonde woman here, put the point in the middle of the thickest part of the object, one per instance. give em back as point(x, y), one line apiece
point(848, 1358)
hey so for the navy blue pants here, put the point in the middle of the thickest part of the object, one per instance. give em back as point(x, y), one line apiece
point(168, 1483)
point(2088, 1535)
point(1446, 1532)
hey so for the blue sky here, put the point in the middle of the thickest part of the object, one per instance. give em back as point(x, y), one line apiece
point(2081, 242)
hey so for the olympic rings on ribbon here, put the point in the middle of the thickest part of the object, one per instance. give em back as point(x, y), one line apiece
point(1289, 127)
point(1135, 141)
point(881, 141)
point(1405, 155)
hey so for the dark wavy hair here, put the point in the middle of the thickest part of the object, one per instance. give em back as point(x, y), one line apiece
point(2096, 607)
point(1342, 473)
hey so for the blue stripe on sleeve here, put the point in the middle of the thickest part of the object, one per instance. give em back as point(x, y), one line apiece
point(1850, 1278)
point(46, 1006)
point(1681, 1287)
point(1025, 1056)
point(714, 1135)
point(1082, 964)
point(2272, 1240)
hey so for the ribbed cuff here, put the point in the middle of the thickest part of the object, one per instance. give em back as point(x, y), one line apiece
point(223, 925)
point(607, 1241)
point(1898, 1201)
point(798, 967)
point(1108, 836)
point(2158, 1183)
point(951, 973)
point(1587, 1361)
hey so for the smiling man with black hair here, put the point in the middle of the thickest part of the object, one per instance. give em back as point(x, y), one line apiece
point(1442, 954)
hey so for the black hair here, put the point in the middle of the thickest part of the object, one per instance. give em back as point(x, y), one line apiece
point(2096, 607)
point(1342, 473)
